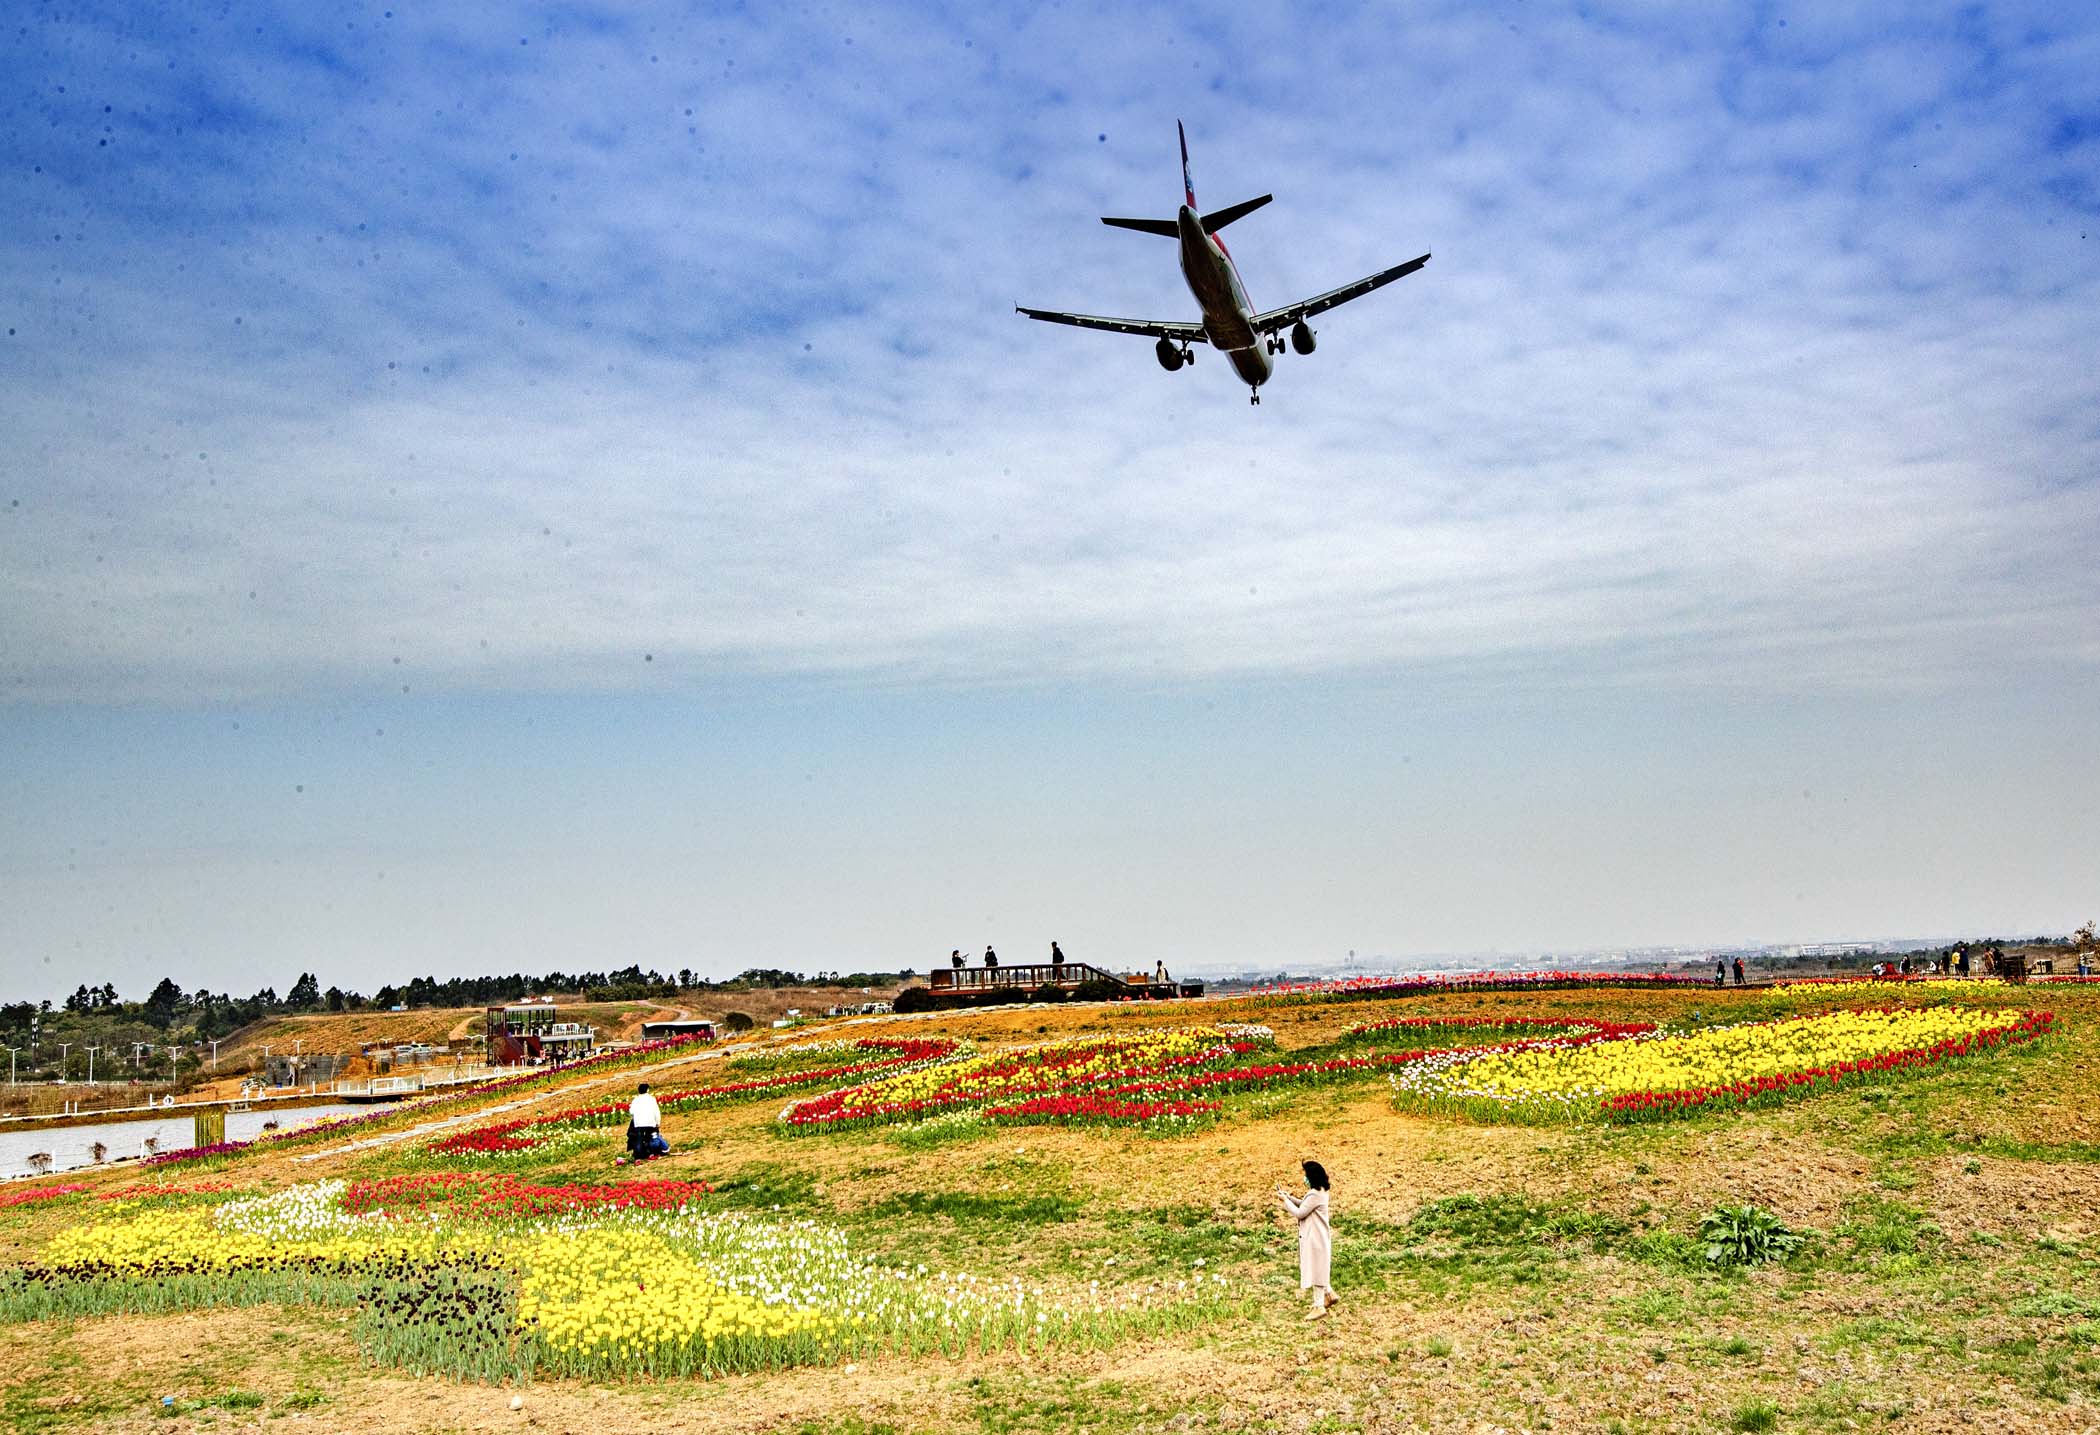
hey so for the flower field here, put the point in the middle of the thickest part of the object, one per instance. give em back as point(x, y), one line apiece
point(1646, 1076)
point(328, 1127)
point(967, 1234)
point(1163, 1080)
point(494, 1279)
point(812, 1065)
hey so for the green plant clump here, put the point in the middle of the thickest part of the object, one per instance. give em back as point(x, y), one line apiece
point(1747, 1236)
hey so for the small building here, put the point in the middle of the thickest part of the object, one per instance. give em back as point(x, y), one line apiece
point(699, 1028)
point(532, 1031)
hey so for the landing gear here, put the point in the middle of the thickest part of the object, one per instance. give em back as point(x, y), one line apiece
point(1253, 395)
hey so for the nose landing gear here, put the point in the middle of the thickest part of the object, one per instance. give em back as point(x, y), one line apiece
point(1253, 394)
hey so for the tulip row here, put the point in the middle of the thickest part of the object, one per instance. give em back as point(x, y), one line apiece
point(583, 1281)
point(1165, 1079)
point(879, 1054)
point(1767, 1090)
point(495, 1196)
point(1007, 1080)
point(1643, 1076)
point(34, 1194)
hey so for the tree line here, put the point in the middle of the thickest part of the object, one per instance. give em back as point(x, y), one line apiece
point(54, 1042)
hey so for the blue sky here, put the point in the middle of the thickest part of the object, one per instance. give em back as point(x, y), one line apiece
point(581, 463)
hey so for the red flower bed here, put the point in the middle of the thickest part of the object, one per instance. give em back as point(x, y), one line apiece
point(486, 1140)
point(498, 1196)
point(37, 1193)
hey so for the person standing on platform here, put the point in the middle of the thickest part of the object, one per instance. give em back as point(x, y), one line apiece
point(1057, 956)
point(991, 958)
point(1315, 1237)
point(955, 959)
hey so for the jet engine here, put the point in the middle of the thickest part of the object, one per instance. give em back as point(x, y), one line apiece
point(1169, 356)
point(1302, 337)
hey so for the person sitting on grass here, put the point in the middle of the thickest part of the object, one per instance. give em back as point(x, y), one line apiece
point(643, 1119)
point(1315, 1237)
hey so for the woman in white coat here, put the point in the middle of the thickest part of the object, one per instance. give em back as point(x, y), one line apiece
point(1315, 1237)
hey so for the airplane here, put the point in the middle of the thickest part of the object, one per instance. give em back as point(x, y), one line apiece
point(1229, 322)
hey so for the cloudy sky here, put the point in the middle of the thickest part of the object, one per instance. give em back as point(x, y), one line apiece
point(490, 487)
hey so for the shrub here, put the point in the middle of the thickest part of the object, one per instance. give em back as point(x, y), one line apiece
point(1747, 1236)
point(1096, 989)
point(1047, 993)
point(738, 1021)
point(913, 999)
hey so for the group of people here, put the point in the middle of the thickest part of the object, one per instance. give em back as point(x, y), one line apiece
point(1721, 971)
point(991, 958)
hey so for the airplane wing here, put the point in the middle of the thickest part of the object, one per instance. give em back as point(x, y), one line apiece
point(1290, 314)
point(1150, 328)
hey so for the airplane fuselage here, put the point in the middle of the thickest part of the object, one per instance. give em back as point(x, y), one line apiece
point(1228, 319)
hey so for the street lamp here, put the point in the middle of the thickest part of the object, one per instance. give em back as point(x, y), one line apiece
point(64, 1048)
point(11, 1064)
point(91, 1063)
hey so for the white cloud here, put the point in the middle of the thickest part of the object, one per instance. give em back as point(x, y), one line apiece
point(1705, 385)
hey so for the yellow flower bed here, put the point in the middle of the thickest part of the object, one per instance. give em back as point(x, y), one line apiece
point(628, 1297)
point(1934, 988)
point(1736, 1061)
point(1051, 1066)
point(194, 1241)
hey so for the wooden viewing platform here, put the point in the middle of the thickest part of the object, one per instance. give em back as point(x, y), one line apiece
point(1068, 976)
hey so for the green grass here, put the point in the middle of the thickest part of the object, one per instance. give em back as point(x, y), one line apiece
point(981, 1211)
point(1755, 1416)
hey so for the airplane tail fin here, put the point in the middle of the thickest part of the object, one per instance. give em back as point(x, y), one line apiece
point(1212, 222)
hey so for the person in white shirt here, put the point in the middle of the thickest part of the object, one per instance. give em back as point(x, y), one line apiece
point(642, 1120)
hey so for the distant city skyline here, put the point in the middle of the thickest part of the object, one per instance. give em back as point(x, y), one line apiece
point(492, 488)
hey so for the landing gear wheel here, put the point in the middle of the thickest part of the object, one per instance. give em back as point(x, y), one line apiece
point(1254, 396)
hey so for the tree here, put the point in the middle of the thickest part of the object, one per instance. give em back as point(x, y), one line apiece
point(305, 993)
point(336, 1000)
point(81, 1000)
point(162, 1003)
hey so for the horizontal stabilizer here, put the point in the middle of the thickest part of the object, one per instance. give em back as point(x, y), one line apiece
point(1144, 226)
point(1217, 219)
